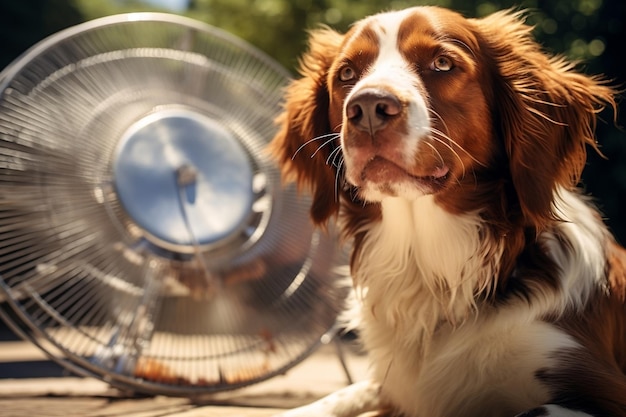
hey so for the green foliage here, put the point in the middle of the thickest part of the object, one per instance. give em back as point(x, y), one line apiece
point(93, 9)
point(576, 28)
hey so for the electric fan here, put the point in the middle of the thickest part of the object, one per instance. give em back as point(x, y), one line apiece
point(145, 238)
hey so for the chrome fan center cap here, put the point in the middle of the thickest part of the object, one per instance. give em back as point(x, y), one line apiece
point(183, 178)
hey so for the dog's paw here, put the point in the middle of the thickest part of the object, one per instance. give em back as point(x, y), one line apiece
point(351, 401)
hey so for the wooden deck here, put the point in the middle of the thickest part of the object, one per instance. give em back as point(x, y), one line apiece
point(33, 386)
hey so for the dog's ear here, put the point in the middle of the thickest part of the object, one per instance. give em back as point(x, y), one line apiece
point(304, 142)
point(545, 112)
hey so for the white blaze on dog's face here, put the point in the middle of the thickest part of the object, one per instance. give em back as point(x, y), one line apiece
point(406, 97)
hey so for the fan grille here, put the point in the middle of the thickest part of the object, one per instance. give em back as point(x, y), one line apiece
point(82, 278)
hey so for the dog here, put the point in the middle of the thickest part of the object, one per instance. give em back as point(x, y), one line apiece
point(449, 151)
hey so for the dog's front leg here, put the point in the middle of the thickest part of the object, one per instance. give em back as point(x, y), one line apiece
point(351, 401)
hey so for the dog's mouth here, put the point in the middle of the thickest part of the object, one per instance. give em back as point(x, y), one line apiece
point(387, 174)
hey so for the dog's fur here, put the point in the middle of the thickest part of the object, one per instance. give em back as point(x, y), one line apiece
point(450, 150)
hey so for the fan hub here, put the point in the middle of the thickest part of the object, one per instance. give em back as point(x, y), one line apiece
point(183, 178)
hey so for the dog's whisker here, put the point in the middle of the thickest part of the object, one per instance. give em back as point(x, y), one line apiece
point(332, 156)
point(322, 137)
point(445, 140)
point(337, 179)
point(448, 141)
point(441, 119)
point(436, 152)
point(333, 137)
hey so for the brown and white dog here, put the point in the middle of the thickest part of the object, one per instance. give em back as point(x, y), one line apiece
point(450, 150)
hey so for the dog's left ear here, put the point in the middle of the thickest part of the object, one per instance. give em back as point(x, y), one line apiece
point(545, 112)
point(304, 144)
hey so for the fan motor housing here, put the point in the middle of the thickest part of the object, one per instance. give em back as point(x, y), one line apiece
point(185, 180)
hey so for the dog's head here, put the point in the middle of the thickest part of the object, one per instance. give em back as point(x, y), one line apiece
point(425, 101)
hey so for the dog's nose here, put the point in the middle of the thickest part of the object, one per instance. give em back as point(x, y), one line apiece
point(371, 108)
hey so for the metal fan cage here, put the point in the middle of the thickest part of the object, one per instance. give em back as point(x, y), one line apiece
point(90, 276)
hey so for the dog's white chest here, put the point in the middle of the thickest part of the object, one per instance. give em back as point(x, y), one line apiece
point(435, 352)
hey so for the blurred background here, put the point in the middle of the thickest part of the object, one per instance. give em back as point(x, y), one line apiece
point(590, 31)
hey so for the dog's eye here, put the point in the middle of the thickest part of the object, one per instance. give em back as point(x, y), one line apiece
point(442, 63)
point(347, 74)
